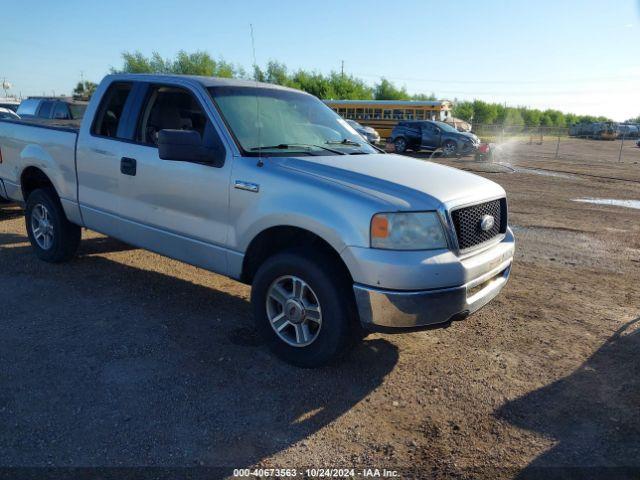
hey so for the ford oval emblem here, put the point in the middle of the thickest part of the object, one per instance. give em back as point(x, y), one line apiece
point(486, 223)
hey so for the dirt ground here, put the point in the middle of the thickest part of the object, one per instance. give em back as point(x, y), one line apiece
point(126, 358)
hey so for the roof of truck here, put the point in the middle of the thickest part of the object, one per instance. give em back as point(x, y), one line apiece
point(205, 81)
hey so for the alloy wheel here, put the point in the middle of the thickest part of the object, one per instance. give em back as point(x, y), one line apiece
point(293, 311)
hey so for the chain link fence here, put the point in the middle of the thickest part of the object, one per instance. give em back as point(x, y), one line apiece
point(555, 143)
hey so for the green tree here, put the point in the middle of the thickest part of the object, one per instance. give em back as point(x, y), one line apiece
point(546, 120)
point(557, 117)
point(570, 119)
point(347, 87)
point(385, 90)
point(84, 90)
point(336, 86)
point(276, 73)
point(513, 117)
point(463, 110)
point(531, 117)
point(424, 97)
point(197, 63)
point(484, 113)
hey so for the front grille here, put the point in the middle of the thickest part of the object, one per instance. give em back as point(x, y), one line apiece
point(467, 222)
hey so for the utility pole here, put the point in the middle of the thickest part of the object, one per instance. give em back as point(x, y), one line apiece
point(342, 69)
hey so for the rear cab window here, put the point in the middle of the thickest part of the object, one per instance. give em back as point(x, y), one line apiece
point(109, 116)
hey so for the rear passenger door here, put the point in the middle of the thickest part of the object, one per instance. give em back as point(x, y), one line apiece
point(413, 133)
point(176, 208)
point(98, 160)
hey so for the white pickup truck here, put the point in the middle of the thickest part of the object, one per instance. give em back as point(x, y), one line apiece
point(269, 186)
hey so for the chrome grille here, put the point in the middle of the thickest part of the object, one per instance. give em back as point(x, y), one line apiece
point(467, 221)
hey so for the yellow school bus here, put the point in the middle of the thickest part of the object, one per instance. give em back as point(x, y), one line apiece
point(383, 115)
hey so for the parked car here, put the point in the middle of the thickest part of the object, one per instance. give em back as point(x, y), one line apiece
point(430, 135)
point(332, 245)
point(595, 130)
point(368, 133)
point(628, 130)
point(10, 103)
point(52, 108)
point(7, 114)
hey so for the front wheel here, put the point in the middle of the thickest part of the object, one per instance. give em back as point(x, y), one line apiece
point(304, 309)
point(400, 145)
point(450, 148)
point(53, 238)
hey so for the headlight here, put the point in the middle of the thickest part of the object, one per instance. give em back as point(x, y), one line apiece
point(407, 231)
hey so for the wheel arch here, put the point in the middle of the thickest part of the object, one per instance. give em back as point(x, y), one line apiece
point(33, 178)
point(276, 239)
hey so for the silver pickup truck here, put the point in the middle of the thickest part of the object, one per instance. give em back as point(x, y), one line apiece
point(269, 186)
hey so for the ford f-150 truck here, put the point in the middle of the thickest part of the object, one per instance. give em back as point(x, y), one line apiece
point(269, 186)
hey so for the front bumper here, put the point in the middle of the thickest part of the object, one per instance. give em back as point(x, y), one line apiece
point(485, 275)
point(469, 147)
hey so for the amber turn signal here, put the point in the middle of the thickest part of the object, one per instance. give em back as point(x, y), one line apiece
point(380, 226)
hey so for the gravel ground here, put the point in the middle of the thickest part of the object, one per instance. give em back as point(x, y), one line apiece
point(125, 358)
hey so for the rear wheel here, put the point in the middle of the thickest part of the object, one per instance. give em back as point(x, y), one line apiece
point(303, 307)
point(400, 145)
point(450, 148)
point(53, 238)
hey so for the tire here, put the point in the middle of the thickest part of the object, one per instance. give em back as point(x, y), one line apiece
point(326, 286)
point(450, 148)
point(400, 145)
point(44, 213)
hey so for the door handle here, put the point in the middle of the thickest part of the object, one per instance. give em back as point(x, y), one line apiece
point(128, 166)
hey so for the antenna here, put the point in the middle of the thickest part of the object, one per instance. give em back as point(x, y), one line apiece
point(255, 66)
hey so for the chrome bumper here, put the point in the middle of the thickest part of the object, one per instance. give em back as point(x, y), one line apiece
point(389, 309)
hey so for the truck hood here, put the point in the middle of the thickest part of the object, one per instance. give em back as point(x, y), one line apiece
point(403, 182)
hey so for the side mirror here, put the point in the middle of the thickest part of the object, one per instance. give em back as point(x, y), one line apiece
point(186, 146)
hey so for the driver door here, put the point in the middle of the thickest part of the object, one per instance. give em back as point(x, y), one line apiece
point(176, 208)
point(430, 136)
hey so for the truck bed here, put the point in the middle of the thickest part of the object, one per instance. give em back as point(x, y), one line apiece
point(49, 147)
point(68, 125)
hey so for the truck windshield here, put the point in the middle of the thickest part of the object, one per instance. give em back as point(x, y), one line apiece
point(263, 120)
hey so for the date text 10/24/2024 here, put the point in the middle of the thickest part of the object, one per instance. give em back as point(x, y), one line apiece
point(315, 473)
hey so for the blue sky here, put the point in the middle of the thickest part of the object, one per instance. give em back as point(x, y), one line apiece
point(579, 56)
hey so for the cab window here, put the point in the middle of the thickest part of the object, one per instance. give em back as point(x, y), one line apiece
point(174, 108)
point(169, 108)
point(61, 111)
point(45, 110)
point(111, 109)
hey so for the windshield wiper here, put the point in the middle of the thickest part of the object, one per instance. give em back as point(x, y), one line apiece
point(286, 146)
point(344, 141)
point(351, 143)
